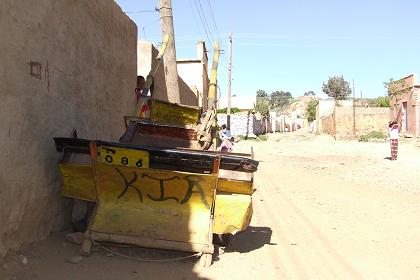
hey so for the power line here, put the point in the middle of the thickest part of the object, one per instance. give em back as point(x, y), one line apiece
point(144, 11)
point(195, 19)
point(147, 25)
point(205, 19)
point(202, 22)
point(214, 22)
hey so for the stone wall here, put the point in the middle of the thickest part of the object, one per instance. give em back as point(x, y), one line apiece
point(341, 123)
point(327, 124)
point(64, 64)
point(244, 124)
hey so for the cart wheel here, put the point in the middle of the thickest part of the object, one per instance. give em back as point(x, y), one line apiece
point(206, 260)
point(222, 239)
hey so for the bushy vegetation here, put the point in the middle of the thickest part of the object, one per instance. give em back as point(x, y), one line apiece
point(311, 110)
point(373, 135)
point(262, 137)
point(381, 101)
point(276, 101)
point(232, 110)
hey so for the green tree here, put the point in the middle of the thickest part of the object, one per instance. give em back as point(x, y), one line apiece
point(280, 99)
point(396, 89)
point(262, 102)
point(233, 110)
point(261, 93)
point(382, 101)
point(336, 87)
point(309, 93)
point(311, 110)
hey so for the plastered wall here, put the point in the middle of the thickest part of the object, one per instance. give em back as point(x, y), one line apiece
point(64, 64)
point(147, 54)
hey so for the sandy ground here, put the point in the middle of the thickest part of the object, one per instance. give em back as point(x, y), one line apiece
point(323, 209)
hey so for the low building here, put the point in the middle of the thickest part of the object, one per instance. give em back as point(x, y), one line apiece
point(342, 121)
point(406, 104)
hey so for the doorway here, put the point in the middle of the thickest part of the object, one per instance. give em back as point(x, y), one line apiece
point(405, 117)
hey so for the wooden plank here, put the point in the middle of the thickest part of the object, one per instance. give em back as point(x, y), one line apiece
point(169, 113)
point(175, 132)
point(154, 243)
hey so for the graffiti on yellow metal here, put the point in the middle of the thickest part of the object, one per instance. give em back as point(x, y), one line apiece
point(124, 157)
point(153, 203)
point(161, 185)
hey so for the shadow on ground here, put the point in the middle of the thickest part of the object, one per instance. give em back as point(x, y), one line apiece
point(47, 260)
point(250, 239)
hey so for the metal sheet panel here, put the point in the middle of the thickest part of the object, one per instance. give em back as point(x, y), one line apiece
point(232, 213)
point(77, 182)
point(155, 204)
point(234, 186)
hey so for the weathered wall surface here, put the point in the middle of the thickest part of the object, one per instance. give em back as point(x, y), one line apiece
point(64, 64)
point(194, 73)
point(367, 119)
point(327, 124)
point(341, 123)
point(410, 118)
point(146, 54)
point(244, 124)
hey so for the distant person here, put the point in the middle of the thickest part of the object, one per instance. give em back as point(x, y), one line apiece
point(139, 93)
point(140, 86)
point(224, 132)
point(394, 130)
point(227, 145)
point(227, 139)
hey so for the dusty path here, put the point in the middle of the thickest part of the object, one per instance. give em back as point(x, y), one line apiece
point(336, 210)
point(323, 209)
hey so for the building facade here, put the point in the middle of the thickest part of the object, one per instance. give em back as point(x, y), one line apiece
point(405, 105)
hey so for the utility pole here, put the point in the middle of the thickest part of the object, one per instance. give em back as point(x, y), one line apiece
point(354, 113)
point(229, 81)
point(169, 59)
point(361, 94)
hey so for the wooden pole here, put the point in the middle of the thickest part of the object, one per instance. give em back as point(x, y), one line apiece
point(229, 81)
point(212, 104)
point(213, 77)
point(354, 113)
point(169, 59)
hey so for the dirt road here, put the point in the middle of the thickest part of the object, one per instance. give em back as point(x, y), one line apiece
point(323, 209)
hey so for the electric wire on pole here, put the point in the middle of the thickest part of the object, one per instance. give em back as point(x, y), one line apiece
point(229, 81)
point(354, 113)
point(169, 59)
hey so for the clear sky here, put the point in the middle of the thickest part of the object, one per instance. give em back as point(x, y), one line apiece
point(295, 45)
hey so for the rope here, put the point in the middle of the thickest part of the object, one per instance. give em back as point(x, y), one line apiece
point(149, 260)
